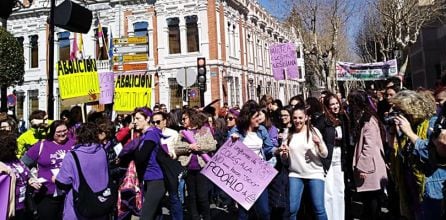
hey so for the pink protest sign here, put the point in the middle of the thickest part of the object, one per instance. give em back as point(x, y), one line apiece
point(284, 56)
point(239, 172)
point(5, 182)
point(107, 87)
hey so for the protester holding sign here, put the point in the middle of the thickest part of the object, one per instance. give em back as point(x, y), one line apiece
point(8, 148)
point(303, 152)
point(191, 151)
point(257, 139)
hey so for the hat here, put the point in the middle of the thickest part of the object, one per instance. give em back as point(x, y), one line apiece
point(234, 111)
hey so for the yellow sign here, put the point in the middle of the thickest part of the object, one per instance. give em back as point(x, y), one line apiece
point(130, 58)
point(130, 40)
point(132, 90)
point(78, 79)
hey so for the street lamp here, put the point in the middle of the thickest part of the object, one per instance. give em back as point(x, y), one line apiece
point(325, 60)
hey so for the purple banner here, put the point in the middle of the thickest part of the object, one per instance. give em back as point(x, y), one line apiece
point(5, 181)
point(284, 57)
point(107, 87)
point(239, 172)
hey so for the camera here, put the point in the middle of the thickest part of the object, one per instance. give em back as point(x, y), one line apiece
point(389, 118)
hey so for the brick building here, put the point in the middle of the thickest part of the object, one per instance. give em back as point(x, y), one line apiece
point(233, 36)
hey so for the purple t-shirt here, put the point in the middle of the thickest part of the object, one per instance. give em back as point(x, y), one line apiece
point(93, 162)
point(153, 169)
point(50, 158)
point(21, 172)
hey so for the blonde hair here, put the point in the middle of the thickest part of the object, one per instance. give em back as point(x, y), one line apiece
point(418, 105)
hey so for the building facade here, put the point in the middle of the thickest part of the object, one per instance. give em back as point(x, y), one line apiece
point(233, 35)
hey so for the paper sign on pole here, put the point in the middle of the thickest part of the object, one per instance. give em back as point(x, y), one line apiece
point(107, 84)
point(130, 67)
point(78, 80)
point(132, 90)
point(130, 58)
point(283, 56)
point(239, 172)
point(130, 49)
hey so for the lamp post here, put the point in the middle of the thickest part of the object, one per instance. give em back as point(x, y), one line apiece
point(325, 60)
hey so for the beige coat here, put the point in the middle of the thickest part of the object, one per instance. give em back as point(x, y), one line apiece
point(368, 158)
point(204, 139)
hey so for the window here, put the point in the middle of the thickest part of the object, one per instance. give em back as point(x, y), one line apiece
point(192, 33)
point(33, 41)
point(140, 28)
point(174, 35)
point(20, 102)
point(33, 101)
point(20, 40)
point(229, 39)
point(259, 53)
point(250, 51)
point(266, 56)
point(64, 45)
point(101, 44)
point(234, 42)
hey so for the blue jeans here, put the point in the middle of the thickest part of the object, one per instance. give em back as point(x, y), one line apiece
point(316, 188)
point(261, 207)
point(176, 207)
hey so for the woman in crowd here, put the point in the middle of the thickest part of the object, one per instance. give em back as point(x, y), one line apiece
point(191, 156)
point(92, 160)
point(47, 155)
point(315, 111)
point(265, 120)
point(159, 120)
point(335, 134)
point(255, 136)
point(420, 193)
point(8, 148)
point(368, 161)
point(8, 123)
point(303, 152)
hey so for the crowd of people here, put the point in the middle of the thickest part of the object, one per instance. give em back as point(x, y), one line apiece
point(381, 148)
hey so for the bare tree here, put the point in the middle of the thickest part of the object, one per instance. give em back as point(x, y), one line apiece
point(321, 25)
point(394, 25)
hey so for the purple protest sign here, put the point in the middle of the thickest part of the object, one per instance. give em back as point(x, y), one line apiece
point(5, 181)
point(283, 56)
point(239, 172)
point(107, 87)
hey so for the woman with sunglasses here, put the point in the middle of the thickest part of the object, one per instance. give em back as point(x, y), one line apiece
point(191, 156)
point(47, 155)
point(255, 136)
point(303, 151)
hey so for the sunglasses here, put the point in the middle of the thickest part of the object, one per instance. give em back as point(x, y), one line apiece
point(157, 122)
point(230, 118)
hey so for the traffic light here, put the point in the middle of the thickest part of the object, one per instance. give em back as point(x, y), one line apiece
point(201, 73)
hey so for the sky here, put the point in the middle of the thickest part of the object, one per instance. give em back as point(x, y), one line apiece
point(278, 10)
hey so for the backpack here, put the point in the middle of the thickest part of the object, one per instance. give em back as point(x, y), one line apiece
point(91, 204)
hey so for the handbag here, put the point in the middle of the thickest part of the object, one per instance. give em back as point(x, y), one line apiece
point(129, 193)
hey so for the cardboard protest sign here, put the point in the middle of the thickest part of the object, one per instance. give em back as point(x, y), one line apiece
point(78, 81)
point(107, 85)
point(132, 90)
point(284, 56)
point(239, 172)
point(5, 182)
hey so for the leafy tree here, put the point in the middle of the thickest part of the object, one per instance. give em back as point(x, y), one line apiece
point(12, 64)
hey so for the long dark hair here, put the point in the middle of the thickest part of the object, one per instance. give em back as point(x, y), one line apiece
point(360, 112)
point(300, 107)
point(334, 119)
point(196, 118)
point(249, 109)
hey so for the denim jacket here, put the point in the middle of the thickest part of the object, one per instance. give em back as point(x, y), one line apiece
point(434, 182)
point(267, 148)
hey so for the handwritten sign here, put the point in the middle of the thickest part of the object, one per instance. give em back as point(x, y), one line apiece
point(283, 56)
point(107, 82)
point(132, 90)
point(78, 79)
point(239, 172)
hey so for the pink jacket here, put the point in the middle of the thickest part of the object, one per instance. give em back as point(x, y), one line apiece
point(368, 158)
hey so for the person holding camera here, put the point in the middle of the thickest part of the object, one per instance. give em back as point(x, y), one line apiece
point(413, 120)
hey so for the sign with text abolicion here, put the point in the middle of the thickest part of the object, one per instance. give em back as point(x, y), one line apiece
point(132, 90)
point(239, 172)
